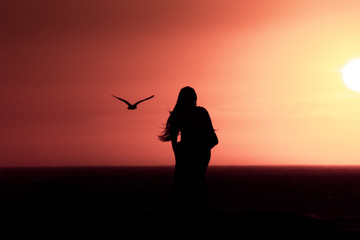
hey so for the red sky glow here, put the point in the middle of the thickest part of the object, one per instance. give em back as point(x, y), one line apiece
point(268, 72)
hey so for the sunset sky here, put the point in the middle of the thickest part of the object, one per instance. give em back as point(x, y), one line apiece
point(267, 71)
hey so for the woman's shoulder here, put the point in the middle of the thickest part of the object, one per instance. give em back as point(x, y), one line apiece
point(202, 110)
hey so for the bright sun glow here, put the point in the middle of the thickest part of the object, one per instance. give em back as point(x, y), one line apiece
point(351, 75)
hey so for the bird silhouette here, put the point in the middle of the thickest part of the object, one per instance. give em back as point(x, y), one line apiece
point(132, 106)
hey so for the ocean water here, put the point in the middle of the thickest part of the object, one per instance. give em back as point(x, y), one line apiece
point(329, 195)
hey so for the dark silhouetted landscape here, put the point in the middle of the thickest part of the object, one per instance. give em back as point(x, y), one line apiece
point(304, 201)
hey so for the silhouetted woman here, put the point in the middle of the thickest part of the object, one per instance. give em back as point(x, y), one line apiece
point(192, 153)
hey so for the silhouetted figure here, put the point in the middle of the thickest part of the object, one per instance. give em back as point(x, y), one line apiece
point(192, 153)
point(132, 106)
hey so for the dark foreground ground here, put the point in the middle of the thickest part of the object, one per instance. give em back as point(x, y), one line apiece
point(252, 201)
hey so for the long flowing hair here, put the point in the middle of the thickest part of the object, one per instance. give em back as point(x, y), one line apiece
point(185, 103)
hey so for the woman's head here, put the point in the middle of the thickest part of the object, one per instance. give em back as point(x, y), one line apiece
point(185, 103)
point(187, 98)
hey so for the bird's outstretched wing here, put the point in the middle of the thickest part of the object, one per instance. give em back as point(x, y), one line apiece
point(122, 100)
point(144, 100)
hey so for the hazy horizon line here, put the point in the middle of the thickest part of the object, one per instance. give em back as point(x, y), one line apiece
point(211, 166)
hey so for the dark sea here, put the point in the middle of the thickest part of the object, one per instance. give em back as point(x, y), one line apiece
point(317, 201)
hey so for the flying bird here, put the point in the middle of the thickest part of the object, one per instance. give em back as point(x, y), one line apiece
point(132, 106)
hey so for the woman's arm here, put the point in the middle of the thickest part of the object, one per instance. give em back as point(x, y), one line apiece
point(174, 144)
point(211, 135)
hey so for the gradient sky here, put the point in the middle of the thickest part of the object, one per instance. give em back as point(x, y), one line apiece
point(268, 72)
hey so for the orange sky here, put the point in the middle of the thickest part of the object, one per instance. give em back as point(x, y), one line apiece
point(268, 72)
